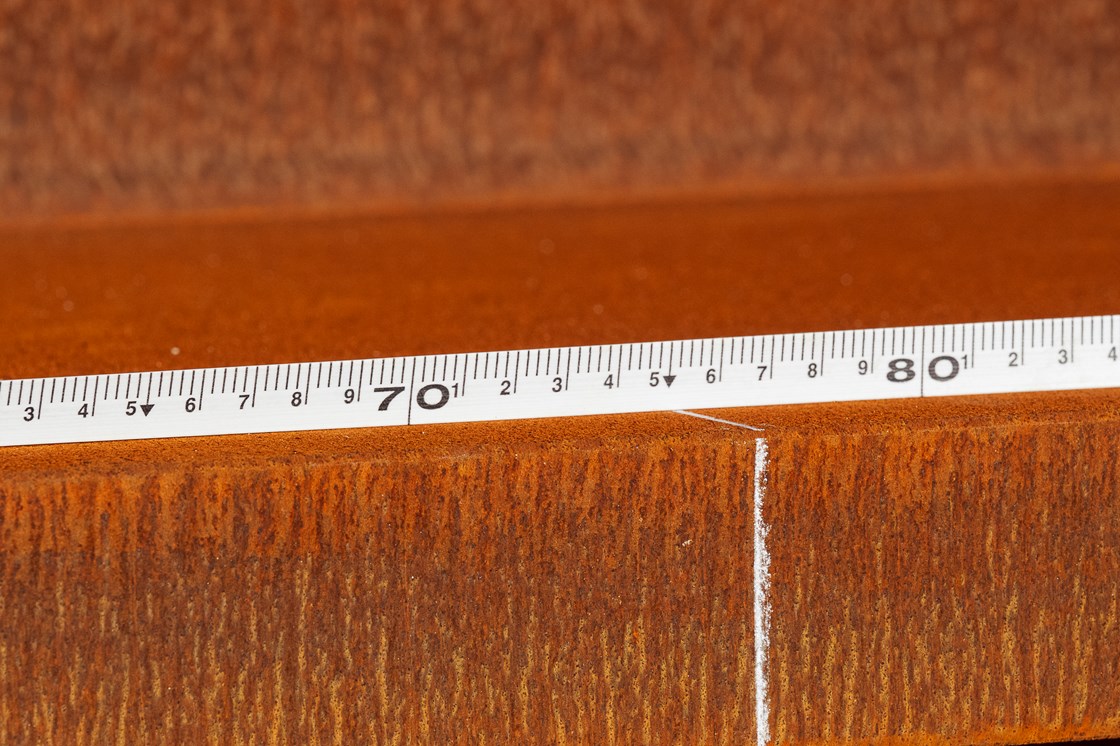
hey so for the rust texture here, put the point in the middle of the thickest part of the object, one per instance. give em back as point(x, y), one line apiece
point(133, 106)
point(947, 575)
point(941, 571)
point(509, 592)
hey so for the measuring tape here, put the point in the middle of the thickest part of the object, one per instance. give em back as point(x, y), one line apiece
point(891, 363)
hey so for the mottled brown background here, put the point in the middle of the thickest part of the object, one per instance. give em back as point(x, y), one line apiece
point(140, 106)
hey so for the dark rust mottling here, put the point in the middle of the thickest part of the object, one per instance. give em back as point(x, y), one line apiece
point(943, 571)
point(130, 106)
point(565, 592)
point(959, 579)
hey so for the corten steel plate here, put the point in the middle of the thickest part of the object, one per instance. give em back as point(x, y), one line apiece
point(940, 571)
point(137, 106)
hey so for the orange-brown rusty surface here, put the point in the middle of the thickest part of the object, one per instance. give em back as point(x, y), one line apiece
point(137, 106)
point(958, 580)
point(942, 571)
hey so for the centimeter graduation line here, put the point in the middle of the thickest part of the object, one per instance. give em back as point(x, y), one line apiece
point(886, 363)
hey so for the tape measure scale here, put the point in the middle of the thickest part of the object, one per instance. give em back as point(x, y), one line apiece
point(807, 367)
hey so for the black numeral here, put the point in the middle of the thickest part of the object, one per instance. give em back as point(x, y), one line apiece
point(1013, 360)
point(424, 401)
point(392, 391)
point(297, 398)
point(28, 414)
point(348, 396)
point(506, 388)
point(901, 370)
point(244, 400)
point(938, 371)
point(84, 410)
point(813, 370)
point(609, 383)
point(557, 384)
point(191, 405)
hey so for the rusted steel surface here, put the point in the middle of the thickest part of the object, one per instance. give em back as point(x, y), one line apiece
point(229, 292)
point(947, 575)
point(127, 107)
point(939, 571)
point(511, 590)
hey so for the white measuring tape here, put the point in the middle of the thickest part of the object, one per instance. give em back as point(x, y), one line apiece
point(892, 363)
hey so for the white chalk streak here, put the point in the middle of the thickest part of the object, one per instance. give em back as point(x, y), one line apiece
point(717, 419)
point(761, 596)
